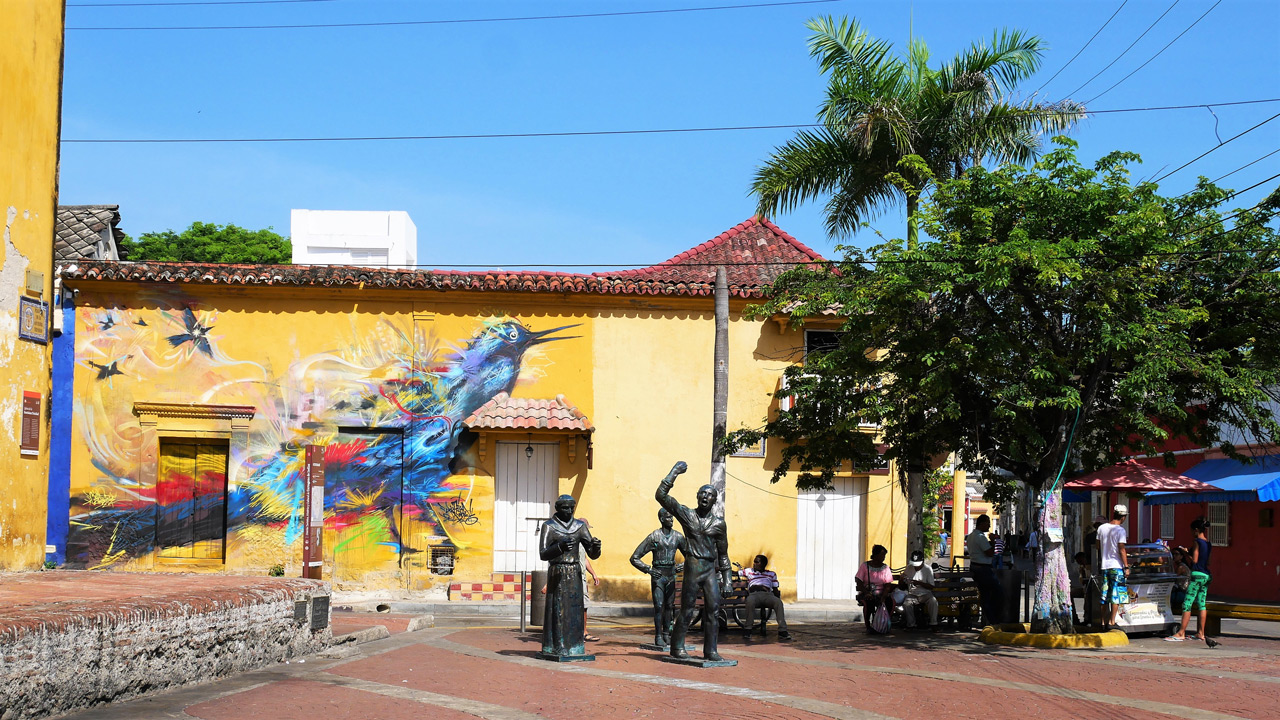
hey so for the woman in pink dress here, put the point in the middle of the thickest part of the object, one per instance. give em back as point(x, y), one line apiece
point(874, 582)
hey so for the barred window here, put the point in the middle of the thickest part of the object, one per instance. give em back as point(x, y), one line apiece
point(1219, 523)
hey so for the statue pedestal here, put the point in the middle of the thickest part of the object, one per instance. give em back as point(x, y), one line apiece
point(565, 658)
point(699, 662)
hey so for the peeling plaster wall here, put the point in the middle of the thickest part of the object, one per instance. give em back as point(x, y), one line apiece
point(31, 87)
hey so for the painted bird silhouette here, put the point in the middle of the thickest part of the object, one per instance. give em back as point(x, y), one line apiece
point(196, 334)
point(106, 371)
point(376, 472)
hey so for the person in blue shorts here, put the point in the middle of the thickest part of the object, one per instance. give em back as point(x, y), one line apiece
point(1112, 538)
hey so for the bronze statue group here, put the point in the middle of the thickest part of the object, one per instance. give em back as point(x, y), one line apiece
point(704, 545)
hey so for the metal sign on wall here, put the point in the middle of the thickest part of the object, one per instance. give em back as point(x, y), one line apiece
point(30, 443)
point(313, 517)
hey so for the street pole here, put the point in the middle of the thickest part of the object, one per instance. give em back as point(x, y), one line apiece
point(720, 419)
point(959, 511)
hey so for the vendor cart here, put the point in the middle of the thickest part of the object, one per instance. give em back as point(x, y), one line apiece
point(1151, 580)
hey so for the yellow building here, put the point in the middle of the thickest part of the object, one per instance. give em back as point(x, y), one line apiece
point(452, 409)
point(30, 95)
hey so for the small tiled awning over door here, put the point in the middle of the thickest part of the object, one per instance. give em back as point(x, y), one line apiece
point(526, 473)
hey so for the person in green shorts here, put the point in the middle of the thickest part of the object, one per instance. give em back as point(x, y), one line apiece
point(1198, 587)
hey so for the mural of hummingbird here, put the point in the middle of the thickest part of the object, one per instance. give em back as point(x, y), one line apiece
point(420, 414)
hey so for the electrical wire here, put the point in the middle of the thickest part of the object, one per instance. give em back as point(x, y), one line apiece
point(1215, 147)
point(1126, 50)
point(1153, 57)
point(805, 499)
point(580, 133)
point(1233, 172)
point(1086, 46)
point(460, 21)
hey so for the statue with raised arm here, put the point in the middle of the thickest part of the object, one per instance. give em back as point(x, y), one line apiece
point(563, 624)
point(706, 565)
point(663, 543)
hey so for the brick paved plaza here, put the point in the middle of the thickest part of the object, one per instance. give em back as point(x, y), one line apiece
point(830, 670)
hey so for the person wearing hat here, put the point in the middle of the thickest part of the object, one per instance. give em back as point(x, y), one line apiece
point(1112, 538)
point(918, 578)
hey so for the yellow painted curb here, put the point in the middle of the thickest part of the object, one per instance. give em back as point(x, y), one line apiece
point(1017, 634)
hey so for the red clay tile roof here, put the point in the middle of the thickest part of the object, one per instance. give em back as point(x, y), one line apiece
point(755, 252)
point(504, 411)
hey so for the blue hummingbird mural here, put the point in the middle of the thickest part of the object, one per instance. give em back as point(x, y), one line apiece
point(415, 404)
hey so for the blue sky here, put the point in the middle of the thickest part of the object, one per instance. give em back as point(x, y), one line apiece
point(593, 200)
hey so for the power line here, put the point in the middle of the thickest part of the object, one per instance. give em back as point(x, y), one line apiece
point(402, 23)
point(205, 2)
point(1126, 50)
point(1086, 46)
point(1233, 172)
point(1215, 147)
point(582, 133)
point(1153, 57)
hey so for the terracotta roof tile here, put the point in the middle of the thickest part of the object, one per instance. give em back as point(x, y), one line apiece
point(504, 411)
point(755, 252)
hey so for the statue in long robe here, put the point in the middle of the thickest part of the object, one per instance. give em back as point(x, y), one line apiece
point(563, 624)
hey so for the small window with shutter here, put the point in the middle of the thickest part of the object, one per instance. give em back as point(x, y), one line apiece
point(1166, 521)
point(1219, 524)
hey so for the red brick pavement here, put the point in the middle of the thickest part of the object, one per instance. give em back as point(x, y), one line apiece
point(552, 694)
point(1237, 697)
point(306, 700)
point(896, 695)
point(349, 622)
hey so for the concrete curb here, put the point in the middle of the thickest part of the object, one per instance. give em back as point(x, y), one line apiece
point(795, 613)
point(1019, 634)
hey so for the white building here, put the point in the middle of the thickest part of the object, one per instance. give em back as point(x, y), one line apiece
point(374, 238)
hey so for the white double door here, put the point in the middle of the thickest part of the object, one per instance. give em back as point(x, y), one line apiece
point(830, 527)
point(524, 491)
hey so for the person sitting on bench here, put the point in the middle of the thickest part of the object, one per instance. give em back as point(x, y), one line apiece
point(874, 583)
point(918, 578)
point(762, 592)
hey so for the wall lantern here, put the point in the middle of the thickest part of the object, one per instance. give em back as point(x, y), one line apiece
point(528, 448)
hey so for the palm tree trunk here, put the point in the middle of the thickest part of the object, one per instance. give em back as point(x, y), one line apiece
point(913, 221)
point(916, 467)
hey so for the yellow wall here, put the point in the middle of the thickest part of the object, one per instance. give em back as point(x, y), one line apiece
point(641, 370)
point(30, 92)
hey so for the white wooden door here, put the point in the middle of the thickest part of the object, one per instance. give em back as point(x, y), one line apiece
point(829, 539)
point(524, 491)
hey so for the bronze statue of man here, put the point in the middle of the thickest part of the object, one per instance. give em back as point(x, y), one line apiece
point(563, 624)
point(663, 543)
point(706, 563)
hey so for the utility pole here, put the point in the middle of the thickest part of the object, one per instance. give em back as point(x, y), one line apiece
point(720, 418)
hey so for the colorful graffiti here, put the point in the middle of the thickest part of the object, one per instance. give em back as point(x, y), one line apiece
point(388, 407)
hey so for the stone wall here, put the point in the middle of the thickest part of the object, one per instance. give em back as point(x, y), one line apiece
point(61, 659)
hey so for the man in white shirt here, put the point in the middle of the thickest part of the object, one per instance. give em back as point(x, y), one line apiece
point(918, 578)
point(1112, 538)
point(981, 554)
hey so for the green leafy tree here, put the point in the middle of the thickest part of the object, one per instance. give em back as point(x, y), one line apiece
point(210, 243)
point(880, 109)
point(1070, 318)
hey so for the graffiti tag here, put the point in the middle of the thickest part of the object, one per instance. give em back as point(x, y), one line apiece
point(456, 511)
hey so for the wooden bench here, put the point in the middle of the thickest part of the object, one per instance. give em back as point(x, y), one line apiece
point(1219, 609)
point(957, 595)
point(733, 605)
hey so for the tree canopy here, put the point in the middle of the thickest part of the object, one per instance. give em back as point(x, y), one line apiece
point(1042, 295)
point(210, 243)
point(1058, 319)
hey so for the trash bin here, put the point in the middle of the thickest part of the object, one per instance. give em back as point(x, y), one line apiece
point(537, 601)
point(1010, 594)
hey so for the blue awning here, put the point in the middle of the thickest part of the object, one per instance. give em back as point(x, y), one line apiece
point(1259, 481)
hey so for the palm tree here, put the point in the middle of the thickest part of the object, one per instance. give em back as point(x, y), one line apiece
point(879, 110)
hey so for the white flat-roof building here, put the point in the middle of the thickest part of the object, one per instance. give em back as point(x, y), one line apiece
point(371, 238)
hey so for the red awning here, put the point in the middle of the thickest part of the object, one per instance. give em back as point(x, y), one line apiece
point(1133, 475)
